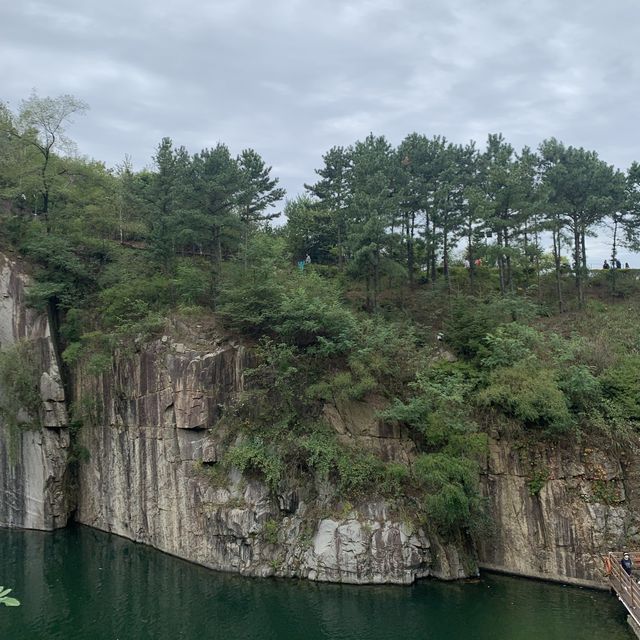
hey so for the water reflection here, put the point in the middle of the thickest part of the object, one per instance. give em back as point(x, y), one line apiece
point(84, 584)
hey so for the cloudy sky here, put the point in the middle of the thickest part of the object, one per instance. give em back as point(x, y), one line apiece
point(291, 78)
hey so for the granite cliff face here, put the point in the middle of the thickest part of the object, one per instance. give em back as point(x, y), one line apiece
point(154, 435)
point(556, 508)
point(33, 462)
point(152, 453)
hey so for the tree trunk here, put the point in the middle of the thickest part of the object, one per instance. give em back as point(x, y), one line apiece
point(577, 261)
point(556, 259)
point(433, 252)
point(614, 253)
point(410, 249)
point(500, 263)
point(507, 260)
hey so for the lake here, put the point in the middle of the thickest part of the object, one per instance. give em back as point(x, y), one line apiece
point(78, 583)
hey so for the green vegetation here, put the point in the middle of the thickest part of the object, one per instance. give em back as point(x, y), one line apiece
point(6, 600)
point(20, 402)
point(428, 239)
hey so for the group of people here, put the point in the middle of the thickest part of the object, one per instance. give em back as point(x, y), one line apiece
point(615, 264)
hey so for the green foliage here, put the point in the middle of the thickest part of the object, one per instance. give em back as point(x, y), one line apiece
point(192, 285)
point(537, 481)
point(270, 531)
point(438, 408)
point(447, 474)
point(359, 473)
point(20, 401)
point(115, 252)
point(510, 344)
point(299, 308)
point(605, 491)
point(311, 315)
point(582, 389)
point(471, 322)
point(95, 348)
point(529, 394)
point(256, 456)
point(621, 384)
point(450, 483)
point(6, 600)
point(321, 450)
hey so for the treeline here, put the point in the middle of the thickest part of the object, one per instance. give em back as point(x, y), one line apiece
point(205, 204)
point(379, 208)
point(375, 211)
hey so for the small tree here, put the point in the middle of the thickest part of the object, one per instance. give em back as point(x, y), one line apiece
point(41, 125)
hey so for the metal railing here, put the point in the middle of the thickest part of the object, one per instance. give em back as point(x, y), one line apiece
point(624, 585)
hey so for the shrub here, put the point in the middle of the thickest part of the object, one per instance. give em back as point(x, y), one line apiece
point(438, 408)
point(529, 394)
point(20, 401)
point(582, 389)
point(255, 456)
point(310, 314)
point(471, 320)
point(359, 473)
point(192, 284)
point(450, 483)
point(510, 344)
point(621, 384)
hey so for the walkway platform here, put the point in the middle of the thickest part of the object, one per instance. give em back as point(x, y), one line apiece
point(624, 586)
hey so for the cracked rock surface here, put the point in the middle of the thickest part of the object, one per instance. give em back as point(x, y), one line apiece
point(34, 491)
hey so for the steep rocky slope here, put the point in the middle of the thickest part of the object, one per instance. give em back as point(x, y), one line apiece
point(149, 478)
point(34, 491)
point(153, 436)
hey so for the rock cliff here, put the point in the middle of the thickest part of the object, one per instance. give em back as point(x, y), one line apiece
point(153, 435)
point(152, 477)
point(33, 461)
point(555, 508)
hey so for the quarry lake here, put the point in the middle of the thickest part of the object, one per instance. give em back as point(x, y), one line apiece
point(79, 583)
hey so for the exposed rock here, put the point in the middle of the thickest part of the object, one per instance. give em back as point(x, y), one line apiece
point(33, 463)
point(358, 421)
point(555, 509)
point(149, 479)
point(155, 442)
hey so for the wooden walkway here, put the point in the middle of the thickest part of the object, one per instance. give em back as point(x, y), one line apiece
point(625, 587)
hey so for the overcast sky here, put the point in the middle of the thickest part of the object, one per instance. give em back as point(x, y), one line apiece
point(291, 78)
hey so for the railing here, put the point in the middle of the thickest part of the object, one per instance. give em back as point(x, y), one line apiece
point(625, 586)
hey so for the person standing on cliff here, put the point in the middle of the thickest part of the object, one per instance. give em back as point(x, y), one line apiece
point(626, 563)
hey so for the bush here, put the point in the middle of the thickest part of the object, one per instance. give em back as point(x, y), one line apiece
point(439, 408)
point(192, 284)
point(127, 303)
point(529, 394)
point(582, 389)
point(510, 344)
point(359, 473)
point(20, 401)
point(255, 456)
point(621, 385)
point(471, 320)
point(450, 483)
point(310, 314)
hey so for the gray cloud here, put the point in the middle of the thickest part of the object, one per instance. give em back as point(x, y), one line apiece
point(291, 78)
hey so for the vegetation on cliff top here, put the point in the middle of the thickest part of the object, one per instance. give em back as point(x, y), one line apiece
point(392, 249)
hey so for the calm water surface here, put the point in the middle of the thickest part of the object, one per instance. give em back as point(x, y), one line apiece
point(83, 584)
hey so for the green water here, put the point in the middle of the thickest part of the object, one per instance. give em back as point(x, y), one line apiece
point(83, 584)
